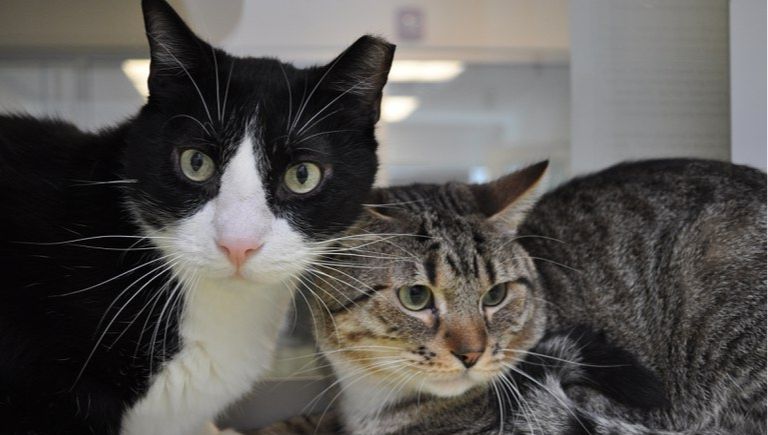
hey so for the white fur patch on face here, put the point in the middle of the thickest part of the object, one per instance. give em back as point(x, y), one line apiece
point(239, 214)
point(232, 315)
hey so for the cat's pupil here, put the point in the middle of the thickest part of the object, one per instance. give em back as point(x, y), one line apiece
point(418, 295)
point(196, 161)
point(302, 173)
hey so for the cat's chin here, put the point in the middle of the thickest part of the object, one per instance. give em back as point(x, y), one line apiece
point(450, 387)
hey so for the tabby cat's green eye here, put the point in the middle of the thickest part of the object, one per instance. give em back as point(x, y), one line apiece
point(415, 297)
point(495, 295)
point(196, 165)
point(303, 177)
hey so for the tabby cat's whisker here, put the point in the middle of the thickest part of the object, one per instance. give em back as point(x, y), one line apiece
point(550, 392)
point(557, 359)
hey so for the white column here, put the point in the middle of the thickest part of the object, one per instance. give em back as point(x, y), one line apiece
point(748, 78)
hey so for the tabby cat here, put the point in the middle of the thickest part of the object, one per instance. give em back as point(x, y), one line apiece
point(147, 268)
point(435, 302)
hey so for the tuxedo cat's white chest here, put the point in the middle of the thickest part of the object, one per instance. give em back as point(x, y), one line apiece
point(228, 330)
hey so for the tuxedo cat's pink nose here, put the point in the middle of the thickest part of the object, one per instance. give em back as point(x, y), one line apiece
point(238, 251)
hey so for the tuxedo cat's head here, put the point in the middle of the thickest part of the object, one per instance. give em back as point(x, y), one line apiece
point(244, 164)
point(429, 291)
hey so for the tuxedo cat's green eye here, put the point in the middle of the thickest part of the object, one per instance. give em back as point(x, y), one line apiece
point(303, 177)
point(495, 295)
point(415, 298)
point(196, 165)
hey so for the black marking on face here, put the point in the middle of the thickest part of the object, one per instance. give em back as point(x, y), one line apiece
point(365, 294)
point(490, 270)
point(430, 269)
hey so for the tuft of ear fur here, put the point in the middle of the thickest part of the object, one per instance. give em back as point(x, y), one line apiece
point(509, 198)
point(362, 70)
point(174, 49)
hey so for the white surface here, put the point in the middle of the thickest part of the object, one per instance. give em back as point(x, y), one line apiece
point(649, 79)
point(748, 82)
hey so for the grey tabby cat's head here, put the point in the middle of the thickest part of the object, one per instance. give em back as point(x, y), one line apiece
point(429, 291)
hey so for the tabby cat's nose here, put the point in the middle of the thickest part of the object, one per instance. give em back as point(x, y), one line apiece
point(468, 359)
point(238, 251)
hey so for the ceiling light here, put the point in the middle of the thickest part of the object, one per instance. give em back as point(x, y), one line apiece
point(397, 108)
point(137, 71)
point(425, 70)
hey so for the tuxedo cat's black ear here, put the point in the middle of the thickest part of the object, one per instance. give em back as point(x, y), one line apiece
point(509, 198)
point(362, 70)
point(174, 49)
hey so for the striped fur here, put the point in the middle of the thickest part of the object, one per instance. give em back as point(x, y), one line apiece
point(667, 258)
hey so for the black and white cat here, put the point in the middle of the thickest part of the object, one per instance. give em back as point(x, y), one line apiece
point(147, 268)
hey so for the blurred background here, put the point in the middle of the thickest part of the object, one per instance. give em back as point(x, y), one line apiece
point(477, 89)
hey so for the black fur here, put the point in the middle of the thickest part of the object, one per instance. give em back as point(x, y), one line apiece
point(604, 367)
point(57, 298)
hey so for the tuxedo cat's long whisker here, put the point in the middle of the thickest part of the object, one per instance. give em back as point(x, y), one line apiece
point(361, 374)
point(321, 119)
point(162, 268)
point(322, 303)
point(400, 385)
point(144, 307)
point(358, 371)
point(312, 92)
point(194, 83)
point(226, 91)
point(350, 89)
point(97, 183)
point(156, 329)
point(311, 312)
point(290, 95)
point(216, 76)
point(321, 134)
point(106, 329)
point(176, 277)
point(144, 328)
point(184, 115)
point(370, 289)
point(109, 280)
point(174, 307)
point(85, 239)
point(320, 275)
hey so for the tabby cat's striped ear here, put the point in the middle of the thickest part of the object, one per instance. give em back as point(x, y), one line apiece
point(509, 198)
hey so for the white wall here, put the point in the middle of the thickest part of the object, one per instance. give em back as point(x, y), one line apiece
point(648, 79)
point(748, 82)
